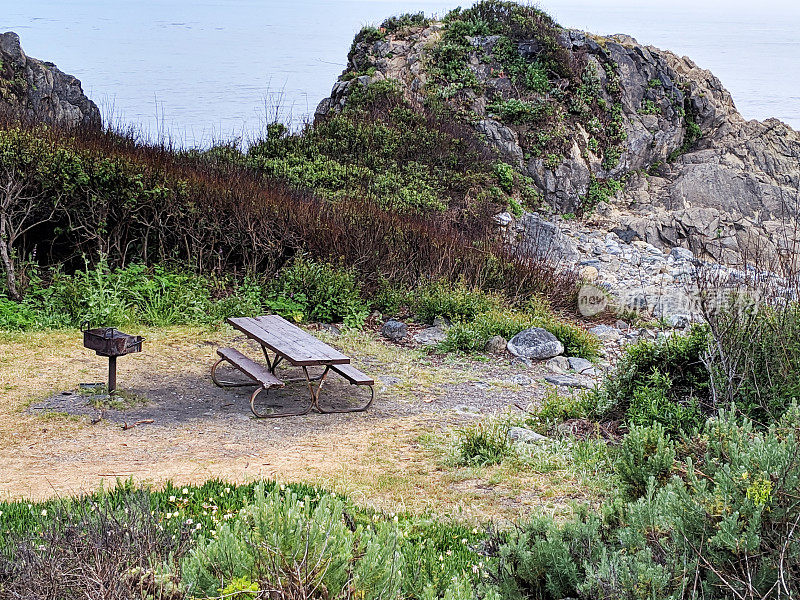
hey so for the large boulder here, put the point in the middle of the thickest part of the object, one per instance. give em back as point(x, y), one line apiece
point(36, 90)
point(535, 344)
point(542, 239)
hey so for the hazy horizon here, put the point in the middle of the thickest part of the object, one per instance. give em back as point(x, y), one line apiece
point(212, 70)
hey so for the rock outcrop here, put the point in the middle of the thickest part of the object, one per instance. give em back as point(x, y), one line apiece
point(687, 169)
point(37, 90)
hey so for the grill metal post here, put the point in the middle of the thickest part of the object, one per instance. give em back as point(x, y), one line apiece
point(112, 373)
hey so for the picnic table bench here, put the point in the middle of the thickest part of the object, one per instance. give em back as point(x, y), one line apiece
point(288, 343)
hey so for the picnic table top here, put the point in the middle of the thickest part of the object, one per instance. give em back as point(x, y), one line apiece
point(289, 341)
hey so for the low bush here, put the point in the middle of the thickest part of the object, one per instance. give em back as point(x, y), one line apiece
point(556, 408)
point(722, 527)
point(577, 340)
point(110, 297)
point(755, 358)
point(454, 301)
point(303, 291)
point(471, 336)
point(652, 403)
point(545, 561)
point(664, 381)
point(247, 541)
point(282, 545)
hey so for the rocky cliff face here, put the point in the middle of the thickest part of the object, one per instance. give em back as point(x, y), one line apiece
point(38, 90)
point(643, 142)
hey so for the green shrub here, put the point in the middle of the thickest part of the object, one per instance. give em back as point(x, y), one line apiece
point(651, 403)
point(316, 291)
point(546, 561)
point(284, 544)
point(442, 558)
point(471, 336)
point(556, 408)
point(393, 24)
point(17, 315)
point(724, 529)
point(520, 112)
point(505, 176)
point(646, 454)
point(577, 340)
point(380, 149)
point(654, 375)
point(160, 297)
point(601, 190)
point(390, 298)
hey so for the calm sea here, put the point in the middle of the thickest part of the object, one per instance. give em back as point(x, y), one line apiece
point(205, 70)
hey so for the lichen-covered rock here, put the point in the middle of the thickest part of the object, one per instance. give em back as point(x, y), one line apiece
point(430, 336)
point(535, 344)
point(39, 91)
point(496, 345)
point(394, 330)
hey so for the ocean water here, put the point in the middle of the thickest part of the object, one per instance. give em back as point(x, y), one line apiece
point(199, 71)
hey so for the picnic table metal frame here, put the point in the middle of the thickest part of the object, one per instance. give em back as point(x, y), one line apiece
point(320, 355)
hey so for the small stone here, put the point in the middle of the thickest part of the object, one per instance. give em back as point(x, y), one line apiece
point(606, 333)
point(520, 380)
point(525, 436)
point(678, 321)
point(535, 343)
point(496, 345)
point(681, 254)
point(558, 364)
point(521, 362)
point(331, 328)
point(394, 330)
point(622, 325)
point(503, 219)
point(430, 336)
point(579, 365)
point(466, 409)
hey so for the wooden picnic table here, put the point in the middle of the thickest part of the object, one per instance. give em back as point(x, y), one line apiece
point(289, 343)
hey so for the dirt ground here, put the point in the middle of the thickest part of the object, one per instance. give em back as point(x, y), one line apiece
point(55, 441)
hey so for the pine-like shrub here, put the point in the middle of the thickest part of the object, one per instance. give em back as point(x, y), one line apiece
point(724, 526)
point(646, 455)
point(291, 549)
point(547, 561)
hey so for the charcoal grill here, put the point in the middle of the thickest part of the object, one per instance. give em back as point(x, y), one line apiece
point(110, 342)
